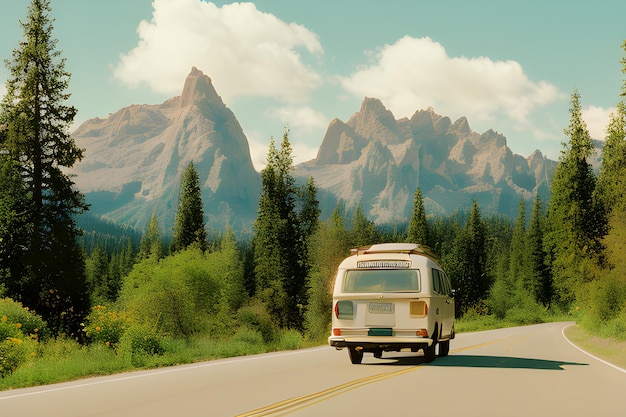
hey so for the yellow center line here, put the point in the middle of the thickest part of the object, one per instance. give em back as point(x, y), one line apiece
point(306, 400)
point(297, 403)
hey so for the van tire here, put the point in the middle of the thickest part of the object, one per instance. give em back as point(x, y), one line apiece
point(356, 356)
point(444, 348)
point(429, 352)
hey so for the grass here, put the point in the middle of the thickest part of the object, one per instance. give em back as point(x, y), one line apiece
point(65, 360)
point(608, 349)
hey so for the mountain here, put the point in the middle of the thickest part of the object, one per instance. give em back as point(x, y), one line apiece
point(377, 161)
point(134, 160)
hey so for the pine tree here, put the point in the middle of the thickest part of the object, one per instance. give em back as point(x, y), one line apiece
point(540, 273)
point(97, 268)
point(308, 220)
point(363, 230)
point(468, 263)
point(419, 231)
point(330, 246)
point(14, 227)
point(576, 220)
point(38, 122)
point(151, 244)
point(518, 271)
point(281, 240)
point(612, 176)
point(189, 224)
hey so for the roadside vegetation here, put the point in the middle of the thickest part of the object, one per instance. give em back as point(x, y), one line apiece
point(80, 296)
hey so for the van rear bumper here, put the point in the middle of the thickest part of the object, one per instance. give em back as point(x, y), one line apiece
point(373, 343)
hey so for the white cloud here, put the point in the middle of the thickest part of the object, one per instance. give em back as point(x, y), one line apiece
point(597, 119)
point(298, 117)
point(243, 50)
point(414, 74)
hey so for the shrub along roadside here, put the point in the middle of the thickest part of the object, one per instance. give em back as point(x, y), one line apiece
point(61, 360)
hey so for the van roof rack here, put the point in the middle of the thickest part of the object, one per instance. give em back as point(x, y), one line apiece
point(413, 248)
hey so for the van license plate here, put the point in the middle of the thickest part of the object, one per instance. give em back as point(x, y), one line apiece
point(381, 308)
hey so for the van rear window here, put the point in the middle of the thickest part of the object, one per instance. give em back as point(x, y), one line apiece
point(382, 280)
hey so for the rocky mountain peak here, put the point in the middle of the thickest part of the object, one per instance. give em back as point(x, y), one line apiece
point(135, 158)
point(375, 121)
point(383, 160)
point(461, 127)
point(198, 87)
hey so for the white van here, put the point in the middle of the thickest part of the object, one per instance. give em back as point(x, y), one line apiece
point(389, 297)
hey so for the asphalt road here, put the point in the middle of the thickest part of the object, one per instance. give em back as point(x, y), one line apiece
point(522, 371)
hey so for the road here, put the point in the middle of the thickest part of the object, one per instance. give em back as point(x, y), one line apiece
point(522, 371)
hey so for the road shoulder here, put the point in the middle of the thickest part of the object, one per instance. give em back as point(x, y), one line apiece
point(609, 350)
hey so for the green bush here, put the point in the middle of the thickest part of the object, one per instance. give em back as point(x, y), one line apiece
point(175, 296)
point(290, 340)
point(616, 328)
point(14, 314)
point(605, 298)
point(256, 316)
point(12, 355)
point(106, 326)
point(138, 344)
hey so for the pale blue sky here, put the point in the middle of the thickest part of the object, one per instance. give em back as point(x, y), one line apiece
point(506, 65)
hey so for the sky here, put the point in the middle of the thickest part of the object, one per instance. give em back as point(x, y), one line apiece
point(509, 66)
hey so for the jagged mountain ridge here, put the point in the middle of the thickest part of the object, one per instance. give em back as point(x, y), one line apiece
point(134, 160)
point(377, 161)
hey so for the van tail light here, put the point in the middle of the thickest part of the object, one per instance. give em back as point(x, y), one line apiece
point(344, 310)
point(422, 333)
point(336, 332)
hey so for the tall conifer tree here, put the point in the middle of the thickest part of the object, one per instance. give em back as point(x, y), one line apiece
point(612, 176)
point(363, 230)
point(14, 227)
point(419, 231)
point(281, 234)
point(151, 245)
point(576, 219)
point(38, 122)
point(540, 273)
point(468, 263)
point(189, 224)
point(518, 271)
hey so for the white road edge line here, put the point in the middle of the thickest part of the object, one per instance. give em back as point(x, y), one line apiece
point(145, 373)
point(589, 354)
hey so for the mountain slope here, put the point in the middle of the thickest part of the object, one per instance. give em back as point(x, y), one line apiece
point(134, 159)
point(378, 162)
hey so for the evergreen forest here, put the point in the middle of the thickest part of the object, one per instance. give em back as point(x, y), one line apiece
point(72, 282)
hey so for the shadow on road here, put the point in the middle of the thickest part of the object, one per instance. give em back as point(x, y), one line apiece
point(471, 361)
point(479, 361)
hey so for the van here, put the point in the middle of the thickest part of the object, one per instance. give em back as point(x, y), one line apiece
point(389, 297)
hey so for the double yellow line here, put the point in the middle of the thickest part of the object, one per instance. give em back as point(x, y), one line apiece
point(297, 403)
